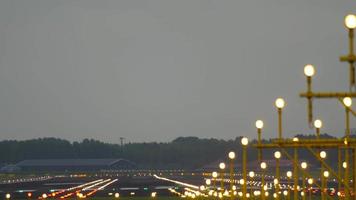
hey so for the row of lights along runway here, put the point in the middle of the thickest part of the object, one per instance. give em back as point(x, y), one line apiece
point(40, 182)
point(87, 190)
point(81, 191)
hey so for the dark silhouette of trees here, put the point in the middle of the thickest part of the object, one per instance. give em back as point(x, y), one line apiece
point(183, 152)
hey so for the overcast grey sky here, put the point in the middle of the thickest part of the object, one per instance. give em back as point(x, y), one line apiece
point(158, 69)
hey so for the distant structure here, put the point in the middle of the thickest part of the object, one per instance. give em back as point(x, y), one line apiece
point(122, 141)
point(9, 169)
point(75, 164)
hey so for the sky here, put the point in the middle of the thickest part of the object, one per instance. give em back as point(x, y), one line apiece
point(159, 69)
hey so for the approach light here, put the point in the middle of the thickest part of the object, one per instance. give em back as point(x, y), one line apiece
point(350, 21)
point(232, 155)
point(259, 124)
point(318, 123)
point(309, 70)
point(280, 103)
point(244, 141)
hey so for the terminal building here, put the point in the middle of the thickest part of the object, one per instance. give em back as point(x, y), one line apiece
point(75, 164)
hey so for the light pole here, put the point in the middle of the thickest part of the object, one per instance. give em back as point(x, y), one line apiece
point(234, 192)
point(322, 155)
point(231, 156)
point(202, 188)
point(295, 171)
point(302, 193)
point(318, 124)
point(347, 103)
point(244, 142)
point(339, 167)
point(263, 168)
point(275, 183)
point(208, 183)
point(251, 174)
point(280, 105)
point(277, 155)
point(304, 166)
point(285, 193)
point(350, 23)
point(309, 71)
point(259, 126)
point(310, 182)
point(242, 182)
point(325, 184)
point(222, 172)
point(215, 175)
point(289, 176)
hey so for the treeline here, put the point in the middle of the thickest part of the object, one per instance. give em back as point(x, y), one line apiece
point(183, 152)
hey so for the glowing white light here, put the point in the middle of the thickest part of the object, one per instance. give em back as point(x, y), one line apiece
point(259, 124)
point(263, 165)
point(350, 21)
point(289, 174)
point(251, 174)
point(222, 165)
point(344, 165)
point(304, 165)
point(309, 70)
point(326, 174)
point(280, 103)
point(244, 141)
point(275, 181)
point(242, 181)
point(322, 154)
point(318, 123)
point(347, 101)
point(232, 155)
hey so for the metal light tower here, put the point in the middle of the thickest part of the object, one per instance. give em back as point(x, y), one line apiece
point(244, 142)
